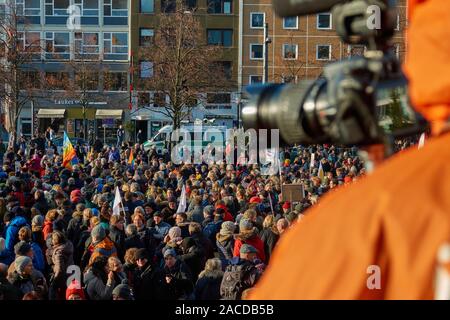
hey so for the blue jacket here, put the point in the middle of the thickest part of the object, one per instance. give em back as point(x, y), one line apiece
point(38, 257)
point(161, 230)
point(12, 232)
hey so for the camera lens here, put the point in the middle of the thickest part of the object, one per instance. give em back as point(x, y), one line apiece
point(289, 108)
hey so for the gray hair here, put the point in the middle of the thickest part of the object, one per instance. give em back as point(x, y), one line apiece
point(212, 265)
point(131, 230)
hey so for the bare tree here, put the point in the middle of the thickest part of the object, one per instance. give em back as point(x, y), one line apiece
point(20, 81)
point(293, 69)
point(180, 66)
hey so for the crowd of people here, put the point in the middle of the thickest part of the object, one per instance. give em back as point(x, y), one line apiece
point(60, 238)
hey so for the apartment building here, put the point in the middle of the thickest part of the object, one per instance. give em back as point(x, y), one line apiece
point(71, 37)
point(300, 46)
point(220, 20)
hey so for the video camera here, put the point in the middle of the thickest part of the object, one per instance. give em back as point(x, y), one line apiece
point(340, 106)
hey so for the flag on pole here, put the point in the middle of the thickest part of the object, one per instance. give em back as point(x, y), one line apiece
point(271, 205)
point(421, 141)
point(182, 205)
point(313, 156)
point(320, 173)
point(131, 159)
point(117, 203)
point(69, 154)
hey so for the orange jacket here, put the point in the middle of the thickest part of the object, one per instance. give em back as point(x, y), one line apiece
point(398, 217)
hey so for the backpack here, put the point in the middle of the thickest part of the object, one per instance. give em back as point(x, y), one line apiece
point(233, 282)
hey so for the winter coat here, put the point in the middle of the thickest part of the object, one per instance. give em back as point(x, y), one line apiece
point(161, 230)
point(38, 257)
point(9, 291)
point(134, 242)
point(205, 243)
point(270, 237)
point(181, 285)
point(12, 232)
point(144, 282)
point(96, 288)
point(118, 237)
point(196, 215)
point(208, 285)
point(34, 282)
point(48, 228)
point(225, 246)
point(194, 257)
point(251, 238)
point(61, 257)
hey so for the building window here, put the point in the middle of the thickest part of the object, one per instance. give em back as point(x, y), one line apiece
point(30, 43)
point(290, 51)
point(324, 21)
point(218, 98)
point(56, 7)
point(146, 37)
point(57, 45)
point(290, 23)
point(159, 99)
point(25, 124)
point(220, 37)
point(115, 8)
point(147, 6)
point(87, 80)
point(168, 6)
point(86, 45)
point(115, 45)
point(356, 50)
point(323, 52)
point(256, 51)
point(115, 81)
point(220, 6)
point(28, 7)
point(255, 79)
point(57, 80)
point(190, 4)
point(88, 7)
point(145, 69)
point(257, 20)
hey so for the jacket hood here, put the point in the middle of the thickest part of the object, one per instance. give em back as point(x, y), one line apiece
point(18, 221)
point(223, 238)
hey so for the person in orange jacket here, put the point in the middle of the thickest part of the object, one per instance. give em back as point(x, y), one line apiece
point(380, 238)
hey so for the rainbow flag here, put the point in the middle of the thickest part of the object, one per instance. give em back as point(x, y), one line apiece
point(131, 159)
point(69, 155)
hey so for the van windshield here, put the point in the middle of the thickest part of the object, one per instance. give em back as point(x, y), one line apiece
point(160, 137)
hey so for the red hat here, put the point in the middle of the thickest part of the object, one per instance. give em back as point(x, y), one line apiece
point(75, 288)
point(75, 195)
point(347, 179)
point(255, 199)
point(286, 205)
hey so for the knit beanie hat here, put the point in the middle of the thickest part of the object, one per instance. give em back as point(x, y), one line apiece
point(98, 233)
point(21, 262)
point(174, 232)
point(37, 221)
point(245, 225)
point(227, 228)
point(75, 288)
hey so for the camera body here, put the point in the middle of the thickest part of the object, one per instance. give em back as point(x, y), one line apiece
point(340, 106)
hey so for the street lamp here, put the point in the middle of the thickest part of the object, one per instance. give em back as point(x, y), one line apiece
point(267, 40)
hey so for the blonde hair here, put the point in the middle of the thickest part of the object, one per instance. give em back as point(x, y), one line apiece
point(130, 256)
point(269, 221)
point(51, 215)
point(94, 221)
point(211, 265)
point(25, 234)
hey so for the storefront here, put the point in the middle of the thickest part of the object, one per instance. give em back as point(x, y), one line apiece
point(107, 123)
